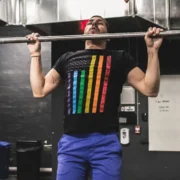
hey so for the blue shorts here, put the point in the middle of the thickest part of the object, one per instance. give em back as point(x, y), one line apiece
point(101, 151)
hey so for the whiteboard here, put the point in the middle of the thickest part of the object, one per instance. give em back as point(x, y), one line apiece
point(164, 116)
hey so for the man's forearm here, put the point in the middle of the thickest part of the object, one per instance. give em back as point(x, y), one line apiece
point(152, 76)
point(36, 76)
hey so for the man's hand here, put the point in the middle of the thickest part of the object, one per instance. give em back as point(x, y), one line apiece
point(35, 46)
point(152, 42)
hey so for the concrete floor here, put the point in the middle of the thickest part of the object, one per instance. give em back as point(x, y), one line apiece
point(42, 178)
point(14, 178)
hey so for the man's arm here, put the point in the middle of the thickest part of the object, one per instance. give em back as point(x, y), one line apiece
point(41, 85)
point(148, 83)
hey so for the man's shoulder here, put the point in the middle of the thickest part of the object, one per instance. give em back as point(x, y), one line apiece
point(72, 53)
point(119, 53)
point(123, 53)
point(66, 54)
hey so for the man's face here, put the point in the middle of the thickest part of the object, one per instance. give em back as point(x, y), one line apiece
point(95, 25)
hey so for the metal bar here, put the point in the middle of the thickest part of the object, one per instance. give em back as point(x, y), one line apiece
point(24, 14)
point(133, 8)
point(58, 10)
point(87, 37)
point(45, 170)
point(168, 14)
point(154, 11)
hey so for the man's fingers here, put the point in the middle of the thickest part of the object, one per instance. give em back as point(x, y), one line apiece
point(153, 31)
point(150, 31)
point(33, 36)
point(161, 30)
point(29, 37)
point(37, 34)
point(157, 31)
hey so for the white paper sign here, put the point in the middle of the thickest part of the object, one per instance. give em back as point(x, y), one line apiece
point(164, 116)
point(128, 108)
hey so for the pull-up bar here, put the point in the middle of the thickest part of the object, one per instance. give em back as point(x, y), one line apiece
point(88, 37)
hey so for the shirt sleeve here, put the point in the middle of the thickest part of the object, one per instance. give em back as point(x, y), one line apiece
point(130, 63)
point(60, 64)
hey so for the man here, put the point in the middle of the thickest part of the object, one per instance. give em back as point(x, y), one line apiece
point(93, 78)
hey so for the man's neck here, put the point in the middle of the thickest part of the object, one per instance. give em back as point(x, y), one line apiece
point(95, 45)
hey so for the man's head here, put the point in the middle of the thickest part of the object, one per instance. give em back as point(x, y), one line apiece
point(96, 25)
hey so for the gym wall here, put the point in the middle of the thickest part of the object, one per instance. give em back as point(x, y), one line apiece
point(22, 117)
point(138, 162)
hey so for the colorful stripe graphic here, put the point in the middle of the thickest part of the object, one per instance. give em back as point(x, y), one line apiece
point(105, 84)
point(74, 91)
point(81, 92)
point(77, 94)
point(97, 86)
point(69, 93)
point(90, 82)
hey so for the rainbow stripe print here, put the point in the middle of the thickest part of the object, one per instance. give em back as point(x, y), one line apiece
point(85, 88)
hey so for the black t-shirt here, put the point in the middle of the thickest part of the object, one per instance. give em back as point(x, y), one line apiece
point(93, 81)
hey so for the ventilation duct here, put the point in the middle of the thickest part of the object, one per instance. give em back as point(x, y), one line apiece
point(164, 13)
point(3, 12)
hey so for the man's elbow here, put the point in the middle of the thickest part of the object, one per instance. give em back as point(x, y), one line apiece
point(38, 95)
point(152, 93)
